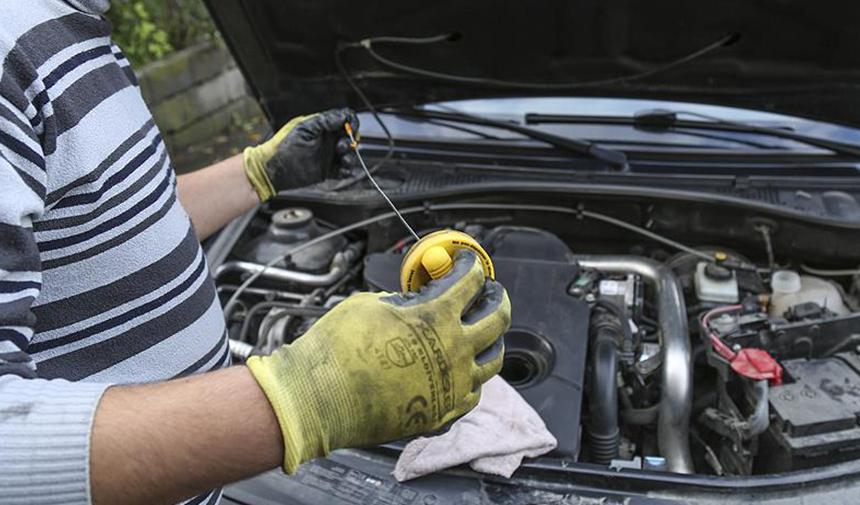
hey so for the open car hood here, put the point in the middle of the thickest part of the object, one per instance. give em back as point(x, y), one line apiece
point(797, 58)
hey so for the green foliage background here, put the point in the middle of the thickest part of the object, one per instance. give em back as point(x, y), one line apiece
point(148, 30)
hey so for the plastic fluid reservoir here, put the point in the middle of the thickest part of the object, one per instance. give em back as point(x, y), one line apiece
point(715, 283)
point(790, 289)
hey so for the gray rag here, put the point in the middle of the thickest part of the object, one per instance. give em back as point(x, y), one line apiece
point(493, 438)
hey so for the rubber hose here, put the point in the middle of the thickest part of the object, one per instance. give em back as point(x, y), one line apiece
point(640, 417)
point(604, 435)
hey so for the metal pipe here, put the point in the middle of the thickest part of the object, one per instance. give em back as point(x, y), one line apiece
point(673, 425)
point(239, 349)
point(270, 294)
point(338, 267)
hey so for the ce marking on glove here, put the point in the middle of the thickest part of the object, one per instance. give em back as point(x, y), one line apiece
point(419, 403)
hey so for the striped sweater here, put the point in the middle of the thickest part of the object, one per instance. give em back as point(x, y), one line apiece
point(102, 280)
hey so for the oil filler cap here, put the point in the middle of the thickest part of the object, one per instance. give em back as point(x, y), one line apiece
point(433, 256)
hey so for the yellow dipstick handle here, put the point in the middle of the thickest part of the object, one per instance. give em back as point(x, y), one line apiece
point(352, 142)
point(431, 258)
point(437, 261)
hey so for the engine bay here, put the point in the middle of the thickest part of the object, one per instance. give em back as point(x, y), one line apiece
point(638, 353)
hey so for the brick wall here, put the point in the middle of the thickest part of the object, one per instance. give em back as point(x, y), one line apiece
point(195, 95)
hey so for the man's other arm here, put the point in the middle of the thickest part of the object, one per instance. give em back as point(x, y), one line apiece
point(303, 152)
point(169, 441)
point(216, 195)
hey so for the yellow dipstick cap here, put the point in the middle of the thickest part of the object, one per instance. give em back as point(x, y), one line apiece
point(431, 258)
point(437, 261)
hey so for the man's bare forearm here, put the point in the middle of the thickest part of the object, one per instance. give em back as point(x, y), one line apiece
point(215, 195)
point(165, 442)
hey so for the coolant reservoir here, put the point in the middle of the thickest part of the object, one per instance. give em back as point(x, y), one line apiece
point(790, 289)
point(715, 283)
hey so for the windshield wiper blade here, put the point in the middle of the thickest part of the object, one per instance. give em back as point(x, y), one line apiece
point(611, 157)
point(660, 119)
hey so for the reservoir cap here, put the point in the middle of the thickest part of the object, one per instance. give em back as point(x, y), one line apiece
point(432, 257)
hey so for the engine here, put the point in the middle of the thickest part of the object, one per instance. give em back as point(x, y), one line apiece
point(695, 362)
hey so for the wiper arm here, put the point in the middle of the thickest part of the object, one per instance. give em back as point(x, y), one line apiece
point(656, 120)
point(611, 157)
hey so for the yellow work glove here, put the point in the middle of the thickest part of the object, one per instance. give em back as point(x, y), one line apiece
point(384, 366)
point(301, 153)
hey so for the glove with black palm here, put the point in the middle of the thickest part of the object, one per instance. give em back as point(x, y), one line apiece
point(305, 151)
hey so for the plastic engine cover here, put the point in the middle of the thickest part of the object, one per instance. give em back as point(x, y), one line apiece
point(546, 347)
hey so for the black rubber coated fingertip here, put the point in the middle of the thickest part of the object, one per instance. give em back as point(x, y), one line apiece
point(463, 261)
point(352, 117)
point(350, 160)
point(343, 146)
point(489, 300)
point(464, 256)
point(490, 353)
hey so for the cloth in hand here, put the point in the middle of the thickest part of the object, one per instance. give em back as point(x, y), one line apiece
point(493, 438)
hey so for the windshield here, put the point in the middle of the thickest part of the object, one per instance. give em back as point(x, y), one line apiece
point(616, 135)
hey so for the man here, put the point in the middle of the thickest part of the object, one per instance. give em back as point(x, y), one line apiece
point(103, 282)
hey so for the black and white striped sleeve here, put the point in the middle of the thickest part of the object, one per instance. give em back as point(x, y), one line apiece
point(44, 424)
point(23, 179)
